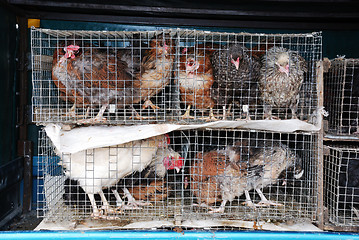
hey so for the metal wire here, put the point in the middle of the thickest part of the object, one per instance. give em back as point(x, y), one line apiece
point(177, 196)
point(341, 96)
point(54, 103)
point(342, 189)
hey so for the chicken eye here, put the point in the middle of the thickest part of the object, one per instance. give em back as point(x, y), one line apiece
point(190, 63)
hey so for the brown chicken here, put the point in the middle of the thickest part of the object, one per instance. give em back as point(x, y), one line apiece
point(156, 68)
point(156, 191)
point(195, 80)
point(89, 76)
point(205, 171)
point(223, 175)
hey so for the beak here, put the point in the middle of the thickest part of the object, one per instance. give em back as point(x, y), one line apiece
point(177, 169)
point(299, 175)
point(283, 69)
point(236, 63)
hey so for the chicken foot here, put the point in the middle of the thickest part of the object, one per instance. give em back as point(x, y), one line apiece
point(148, 103)
point(220, 209)
point(264, 201)
point(132, 202)
point(138, 116)
point(212, 209)
point(72, 112)
point(105, 209)
point(98, 119)
point(187, 115)
point(211, 116)
point(248, 201)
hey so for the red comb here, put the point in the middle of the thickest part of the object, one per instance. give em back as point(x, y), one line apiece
point(73, 47)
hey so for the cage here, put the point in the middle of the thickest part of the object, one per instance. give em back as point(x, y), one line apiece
point(89, 77)
point(341, 185)
point(292, 191)
point(341, 96)
point(170, 75)
point(228, 76)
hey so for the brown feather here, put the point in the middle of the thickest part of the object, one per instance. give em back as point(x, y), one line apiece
point(195, 86)
point(156, 191)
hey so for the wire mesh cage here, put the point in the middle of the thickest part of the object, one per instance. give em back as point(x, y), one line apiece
point(133, 181)
point(231, 76)
point(341, 185)
point(278, 170)
point(89, 77)
point(252, 175)
point(172, 75)
point(341, 96)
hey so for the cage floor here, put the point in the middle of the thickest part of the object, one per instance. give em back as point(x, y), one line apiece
point(90, 224)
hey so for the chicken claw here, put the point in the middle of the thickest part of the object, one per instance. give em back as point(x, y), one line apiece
point(268, 203)
point(132, 202)
point(187, 115)
point(148, 103)
point(264, 201)
point(98, 119)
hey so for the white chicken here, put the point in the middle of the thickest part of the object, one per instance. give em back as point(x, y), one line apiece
point(100, 168)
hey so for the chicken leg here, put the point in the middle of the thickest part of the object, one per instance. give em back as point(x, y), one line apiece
point(132, 202)
point(187, 115)
point(107, 209)
point(220, 209)
point(148, 103)
point(98, 119)
point(264, 201)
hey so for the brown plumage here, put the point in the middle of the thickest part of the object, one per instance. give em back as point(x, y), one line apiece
point(156, 68)
point(156, 191)
point(281, 78)
point(195, 80)
point(206, 171)
point(223, 175)
point(97, 77)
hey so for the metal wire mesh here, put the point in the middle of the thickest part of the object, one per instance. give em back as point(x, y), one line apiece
point(341, 96)
point(341, 185)
point(178, 196)
point(186, 71)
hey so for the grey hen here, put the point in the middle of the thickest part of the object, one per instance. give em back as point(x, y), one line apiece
point(281, 78)
point(265, 166)
point(236, 74)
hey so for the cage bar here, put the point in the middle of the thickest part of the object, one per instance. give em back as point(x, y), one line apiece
point(341, 96)
point(178, 196)
point(341, 185)
point(186, 77)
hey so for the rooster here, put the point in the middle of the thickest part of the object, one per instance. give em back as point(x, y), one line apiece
point(281, 78)
point(88, 76)
point(99, 168)
point(236, 74)
point(195, 79)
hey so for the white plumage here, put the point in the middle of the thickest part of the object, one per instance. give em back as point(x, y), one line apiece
point(99, 168)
